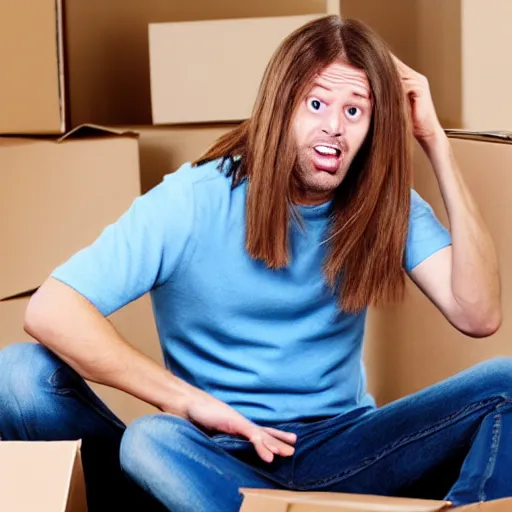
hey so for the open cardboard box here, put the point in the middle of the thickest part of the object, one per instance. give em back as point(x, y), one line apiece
point(42, 477)
point(256, 500)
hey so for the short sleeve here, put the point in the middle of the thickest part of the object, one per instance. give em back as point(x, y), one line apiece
point(136, 253)
point(426, 235)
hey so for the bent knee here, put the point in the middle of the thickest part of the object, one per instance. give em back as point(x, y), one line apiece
point(146, 438)
point(496, 374)
point(24, 366)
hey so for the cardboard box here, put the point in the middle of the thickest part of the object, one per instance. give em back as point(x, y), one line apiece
point(42, 476)
point(284, 501)
point(56, 197)
point(66, 63)
point(163, 149)
point(393, 20)
point(414, 344)
point(210, 71)
point(460, 45)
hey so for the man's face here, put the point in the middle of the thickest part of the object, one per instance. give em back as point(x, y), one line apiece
point(330, 126)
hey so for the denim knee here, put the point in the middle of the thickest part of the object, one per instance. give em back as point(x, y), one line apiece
point(150, 439)
point(495, 375)
point(24, 369)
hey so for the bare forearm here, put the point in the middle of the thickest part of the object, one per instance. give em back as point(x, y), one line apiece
point(475, 273)
point(72, 328)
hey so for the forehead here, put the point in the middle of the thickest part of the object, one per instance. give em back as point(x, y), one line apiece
point(341, 74)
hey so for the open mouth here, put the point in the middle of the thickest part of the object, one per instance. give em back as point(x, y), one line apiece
point(327, 157)
point(327, 151)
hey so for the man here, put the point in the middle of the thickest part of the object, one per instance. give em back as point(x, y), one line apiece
point(261, 259)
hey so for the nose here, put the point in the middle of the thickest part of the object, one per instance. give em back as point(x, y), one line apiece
point(333, 126)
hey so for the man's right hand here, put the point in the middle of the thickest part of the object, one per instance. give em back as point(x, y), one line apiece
point(214, 415)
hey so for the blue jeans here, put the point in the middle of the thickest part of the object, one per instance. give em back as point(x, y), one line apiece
point(450, 441)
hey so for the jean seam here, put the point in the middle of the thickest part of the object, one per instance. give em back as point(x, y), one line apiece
point(22, 416)
point(466, 411)
point(495, 441)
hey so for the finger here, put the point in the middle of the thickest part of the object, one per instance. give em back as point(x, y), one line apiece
point(404, 70)
point(278, 447)
point(262, 450)
point(401, 65)
point(287, 437)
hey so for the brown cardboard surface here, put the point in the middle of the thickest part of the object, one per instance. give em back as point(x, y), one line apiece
point(503, 505)
point(56, 197)
point(163, 149)
point(460, 45)
point(414, 344)
point(42, 476)
point(256, 500)
point(30, 66)
point(394, 21)
point(486, 39)
point(286, 501)
point(134, 322)
point(84, 61)
point(209, 71)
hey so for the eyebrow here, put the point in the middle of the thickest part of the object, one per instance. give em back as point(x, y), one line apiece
point(317, 84)
point(362, 95)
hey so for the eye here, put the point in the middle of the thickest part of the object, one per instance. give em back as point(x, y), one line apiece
point(353, 112)
point(314, 104)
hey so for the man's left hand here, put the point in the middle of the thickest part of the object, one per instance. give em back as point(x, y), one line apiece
point(426, 126)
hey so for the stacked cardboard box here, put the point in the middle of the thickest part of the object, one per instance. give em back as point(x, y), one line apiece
point(162, 85)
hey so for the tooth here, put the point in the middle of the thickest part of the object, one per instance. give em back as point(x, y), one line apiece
point(326, 150)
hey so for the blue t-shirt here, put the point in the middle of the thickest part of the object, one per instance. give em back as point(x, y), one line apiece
point(272, 344)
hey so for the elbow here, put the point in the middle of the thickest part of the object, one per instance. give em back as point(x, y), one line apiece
point(39, 316)
point(481, 324)
point(34, 319)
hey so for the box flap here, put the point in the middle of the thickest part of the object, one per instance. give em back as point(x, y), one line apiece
point(488, 136)
point(93, 130)
point(42, 476)
point(287, 501)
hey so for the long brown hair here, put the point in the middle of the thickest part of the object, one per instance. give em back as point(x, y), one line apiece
point(368, 228)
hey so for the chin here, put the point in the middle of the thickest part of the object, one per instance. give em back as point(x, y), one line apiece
point(317, 188)
point(325, 181)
